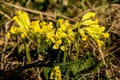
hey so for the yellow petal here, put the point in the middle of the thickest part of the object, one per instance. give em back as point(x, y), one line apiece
point(84, 37)
point(106, 35)
point(88, 15)
point(90, 22)
point(55, 46)
point(13, 29)
point(51, 75)
point(102, 28)
point(62, 48)
point(19, 12)
point(100, 43)
point(35, 26)
point(56, 68)
point(23, 35)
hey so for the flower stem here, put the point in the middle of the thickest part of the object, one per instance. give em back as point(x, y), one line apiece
point(65, 53)
point(38, 46)
point(77, 54)
point(27, 53)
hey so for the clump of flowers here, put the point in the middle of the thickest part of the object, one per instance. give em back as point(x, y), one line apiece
point(60, 35)
point(37, 30)
point(30, 29)
point(91, 27)
point(64, 34)
point(56, 73)
point(23, 21)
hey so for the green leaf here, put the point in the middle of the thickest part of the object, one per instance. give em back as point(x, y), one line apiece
point(75, 68)
point(46, 72)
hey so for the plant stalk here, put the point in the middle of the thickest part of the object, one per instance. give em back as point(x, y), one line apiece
point(77, 54)
point(27, 53)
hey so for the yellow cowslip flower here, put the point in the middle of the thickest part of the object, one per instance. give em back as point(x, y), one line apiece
point(90, 22)
point(22, 19)
point(43, 23)
point(63, 27)
point(106, 35)
point(46, 28)
point(27, 20)
point(14, 30)
point(57, 73)
point(70, 32)
point(92, 30)
point(23, 35)
point(51, 75)
point(63, 24)
point(18, 21)
point(23, 16)
point(84, 37)
point(61, 34)
point(51, 37)
point(88, 15)
point(50, 26)
point(94, 26)
point(100, 43)
point(56, 46)
point(35, 26)
point(95, 31)
point(60, 21)
point(56, 68)
point(102, 28)
point(67, 23)
point(62, 48)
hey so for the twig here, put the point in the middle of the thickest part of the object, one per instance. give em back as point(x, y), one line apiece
point(108, 73)
point(115, 58)
point(50, 14)
point(112, 26)
point(4, 14)
point(29, 10)
point(10, 52)
point(28, 2)
point(6, 30)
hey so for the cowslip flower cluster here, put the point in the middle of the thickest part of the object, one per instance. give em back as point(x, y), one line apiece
point(41, 30)
point(56, 73)
point(30, 29)
point(91, 27)
point(61, 34)
point(46, 31)
point(64, 35)
point(23, 21)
